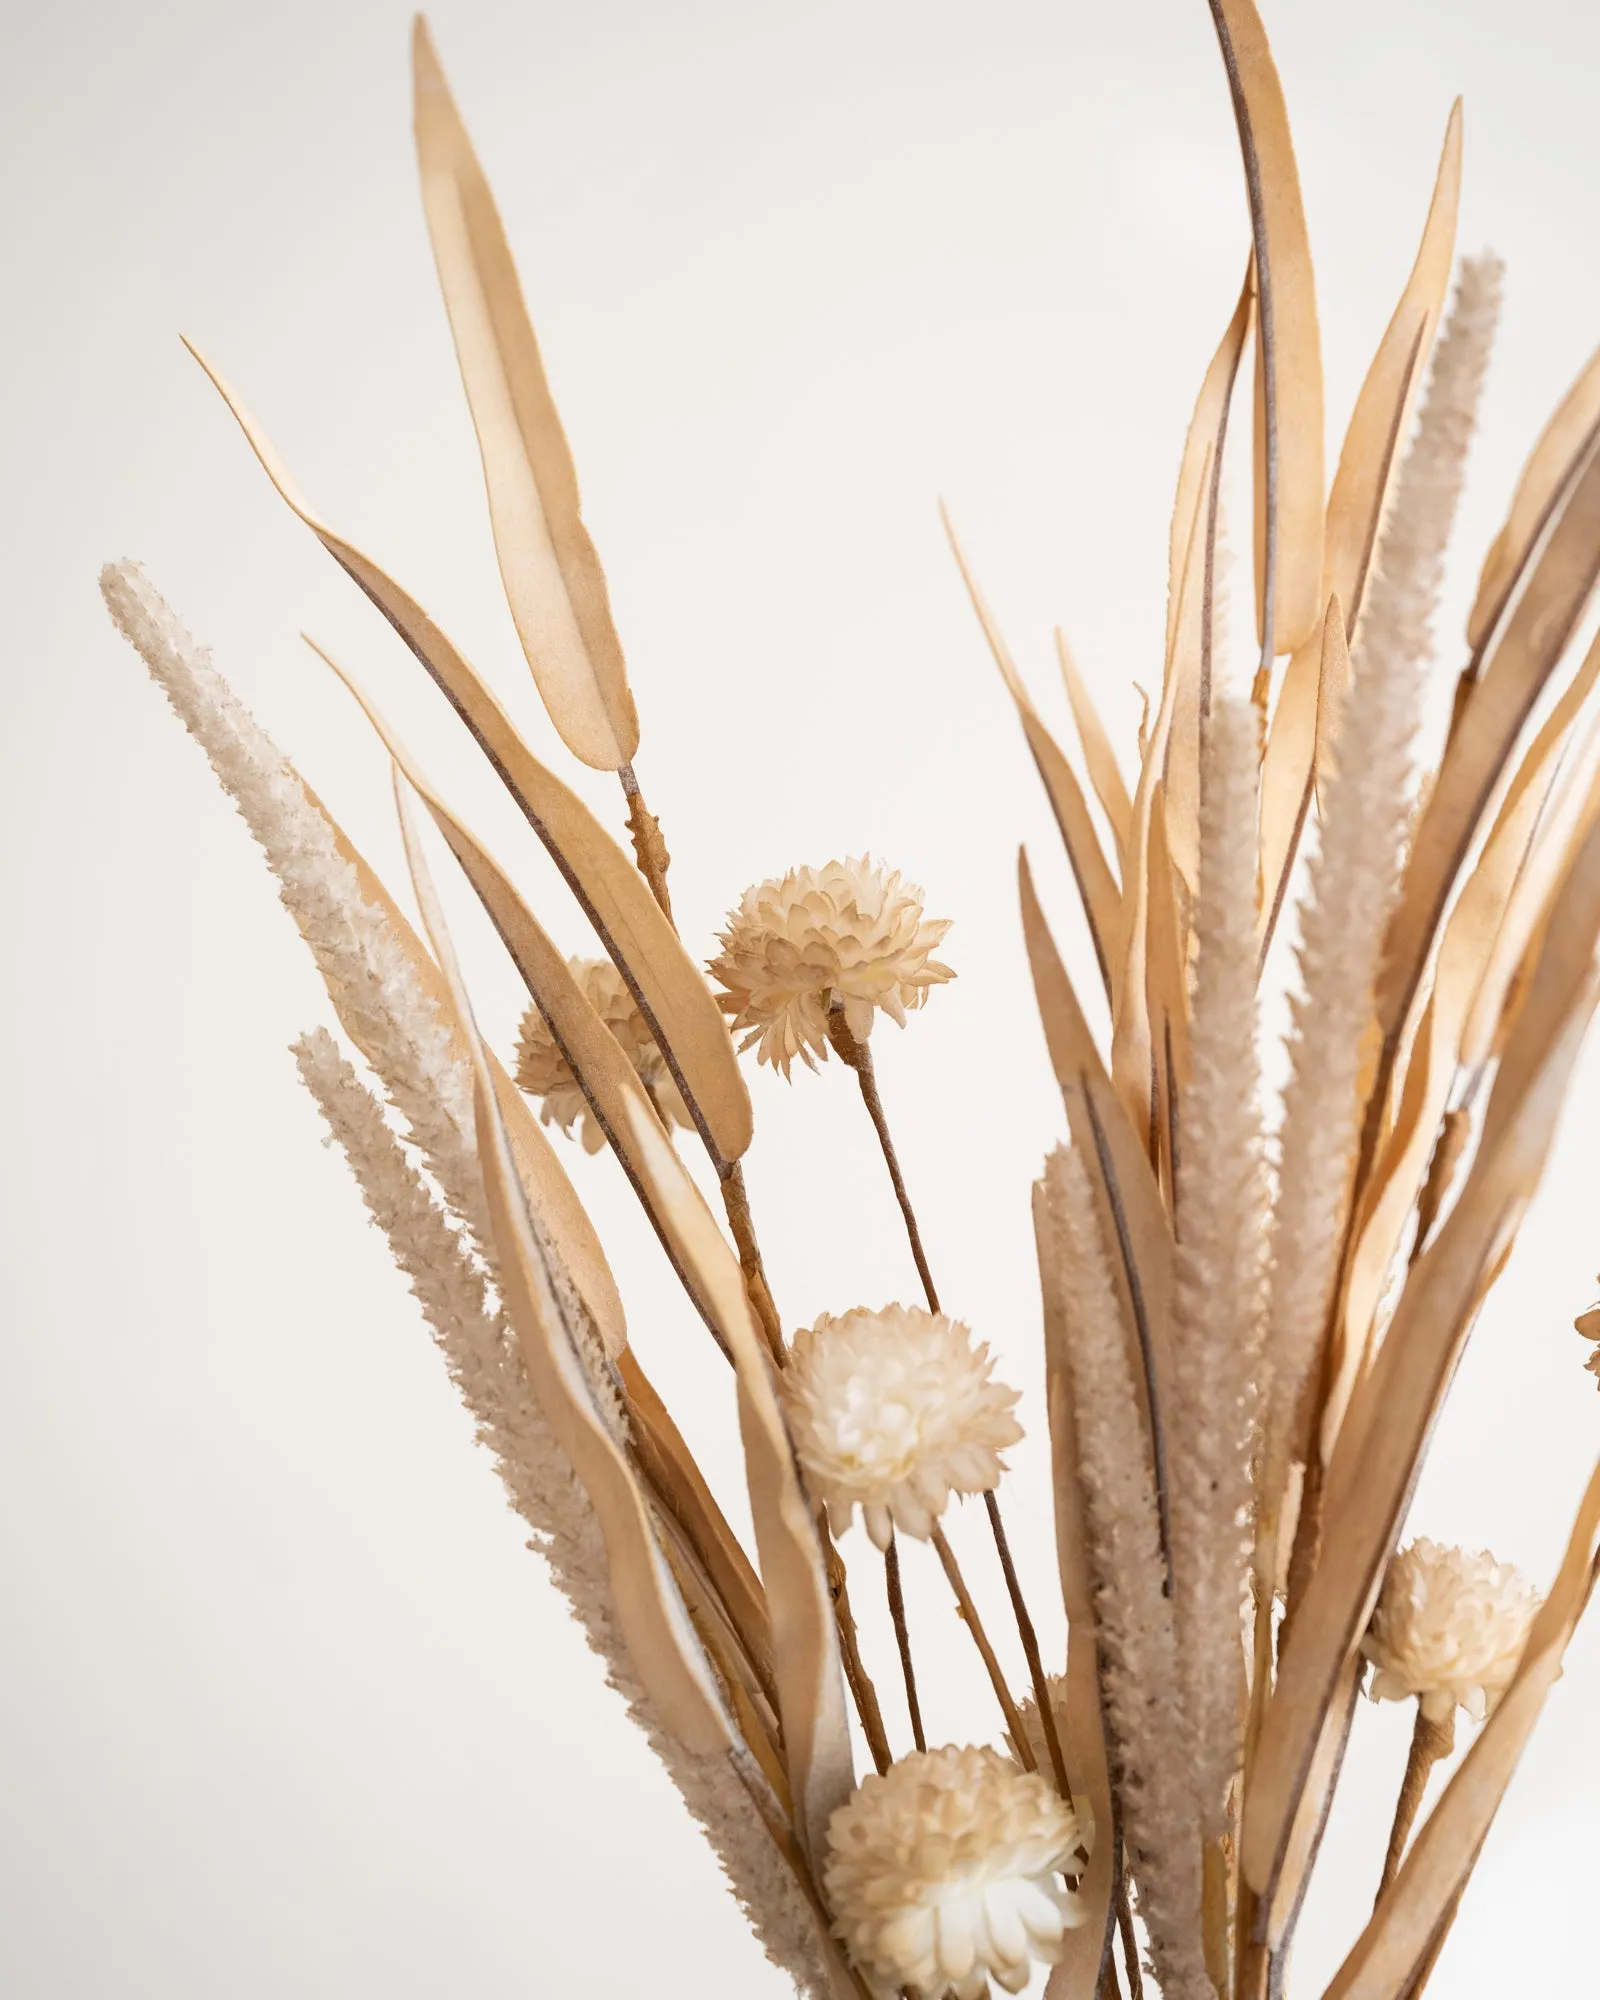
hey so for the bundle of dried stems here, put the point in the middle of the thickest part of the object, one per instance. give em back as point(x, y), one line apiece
point(1247, 1342)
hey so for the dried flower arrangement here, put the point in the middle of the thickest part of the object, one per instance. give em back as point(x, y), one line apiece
point(1248, 1340)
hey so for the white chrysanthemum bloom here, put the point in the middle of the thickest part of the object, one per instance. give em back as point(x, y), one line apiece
point(894, 1411)
point(852, 932)
point(945, 1872)
point(1449, 1628)
point(543, 1071)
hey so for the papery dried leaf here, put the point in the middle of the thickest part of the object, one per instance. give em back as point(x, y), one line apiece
point(1466, 956)
point(1563, 444)
point(1166, 998)
point(677, 1004)
point(1105, 773)
point(666, 1654)
point(1087, 1950)
point(1289, 347)
point(553, 580)
point(1097, 887)
point(1191, 558)
point(1523, 657)
point(1300, 720)
point(1385, 1434)
point(805, 1639)
point(1418, 1904)
point(1127, 1197)
point(597, 1059)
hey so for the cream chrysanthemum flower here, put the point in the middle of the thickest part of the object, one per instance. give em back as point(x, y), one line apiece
point(894, 1411)
point(1449, 1628)
point(543, 1071)
point(852, 932)
point(945, 1872)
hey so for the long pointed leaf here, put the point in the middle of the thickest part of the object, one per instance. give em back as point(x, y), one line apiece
point(553, 580)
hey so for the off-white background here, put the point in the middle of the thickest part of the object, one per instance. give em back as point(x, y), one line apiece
point(287, 1711)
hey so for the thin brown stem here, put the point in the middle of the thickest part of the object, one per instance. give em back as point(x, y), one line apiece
point(902, 1633)
point(1429, 1742)
point(861, 1688)
point(1030, 1646)
point(980, 1638)
point(649, 848)
point(859, 1058)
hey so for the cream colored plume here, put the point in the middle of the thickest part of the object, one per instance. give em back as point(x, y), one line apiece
point(1355, 872)
point(1220, 1270)
point(485, 1364)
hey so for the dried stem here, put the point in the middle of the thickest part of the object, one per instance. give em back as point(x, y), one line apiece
point(980, 1638)
point(1130, 1943)
point(902, 1633)
point(1429, 1742)
point(862, 1691)
point(736, 1205)
point(649, 848)
point(858, 1056)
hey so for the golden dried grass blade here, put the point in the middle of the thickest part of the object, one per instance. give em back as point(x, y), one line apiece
point(1289, 492)
point(1105, 773)
point(1191, 559)
point(553, 580)
point(1127, 1197)
point(1418, 1904)
point(1097, 887)
point(1524, 656)
point(674, 998)
point(1562, 445)
point(1299, 721)
point(1385, 1434)
point(605, 1075)
point(805, 1639)
point(1468, 954)
point(1087, 1953)
point(661, 1642)
point(1167, 998)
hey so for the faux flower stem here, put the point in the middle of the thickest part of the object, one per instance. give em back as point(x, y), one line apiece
point(980, 1638)
point(1130, 1944)
point(864, 1694)
point(1429, 1742)
point(902, 1633)
point(858, 1056)
point(736, 1205)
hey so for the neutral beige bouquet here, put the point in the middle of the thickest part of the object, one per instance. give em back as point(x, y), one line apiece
point(1249, 1333)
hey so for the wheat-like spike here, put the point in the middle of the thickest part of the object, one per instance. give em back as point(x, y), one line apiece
point(1354, 875)
point(1146, 1713)
point(485, 1364)
point(1219, 1290)
point(356, 950)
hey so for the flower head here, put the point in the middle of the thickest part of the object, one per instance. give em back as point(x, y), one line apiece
point(543, 1071)
point(894, 1411)
point(1449, 1628)
point(945, 1871)
point(852, 933)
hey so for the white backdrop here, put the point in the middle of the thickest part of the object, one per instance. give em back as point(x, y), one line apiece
point(287, 1709)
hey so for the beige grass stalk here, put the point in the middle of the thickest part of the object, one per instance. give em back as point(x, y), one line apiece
point(1219, 1296)
point(1146, 1710)
point(1355, 871)
point(355, 948)
point(486, 1367)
